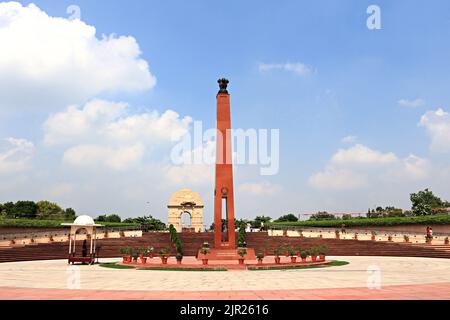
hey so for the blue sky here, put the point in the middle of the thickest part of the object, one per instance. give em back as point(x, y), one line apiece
point(356, 80)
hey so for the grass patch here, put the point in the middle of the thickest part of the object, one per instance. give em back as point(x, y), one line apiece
point(114, 265)
point(183, 269)
point(332, 264)
point(440, 219)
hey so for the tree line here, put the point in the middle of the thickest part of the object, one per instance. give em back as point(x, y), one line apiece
point(44, 210)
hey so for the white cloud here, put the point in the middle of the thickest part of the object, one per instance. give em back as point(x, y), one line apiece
point(437, 124)
point(47, 61)
point(190, 175)
point(349, 139)
point(111, 121)
point(98, 156)
point(105, 133)
point(361, 167)
point(260, 189)
point(416, 103)
point(360, 154)
point(338, 179)
point(415, 168)
point(15, 155)
point(297, 68)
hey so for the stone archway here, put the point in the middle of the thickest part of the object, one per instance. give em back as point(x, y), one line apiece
point(188, 202)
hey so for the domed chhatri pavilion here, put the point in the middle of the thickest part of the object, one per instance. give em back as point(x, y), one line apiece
point(186, 204)
point(82, 224)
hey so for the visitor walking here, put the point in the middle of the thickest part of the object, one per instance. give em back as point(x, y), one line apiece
point(428, 232)
point(431, 232)
point(84, 250)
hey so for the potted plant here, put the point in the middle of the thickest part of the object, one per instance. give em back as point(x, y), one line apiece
point(260, 257)
point(374, 235)
point(242, 252)
point(356, 236)
point(298, 250)
point(143, 255)
point(313, 252)
point(338, 234)
point(179, 258)
point(304, 255)
point(124, 253)
point(106, 235)
point(266, 250)
point(390, 238)
point(164, 254)
point(429, 239)
point(151, 252)
point(122, 234)
point(51, 238)
point(322, 250)
point(277, 253)
point(135, 255)
point(286, 250)
point(292, 253)
point(204, 251)
point(406, 238)
point(447, 241)
point(142, 252)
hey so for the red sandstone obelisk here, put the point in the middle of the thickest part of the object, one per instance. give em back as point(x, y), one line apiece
point(224, 192)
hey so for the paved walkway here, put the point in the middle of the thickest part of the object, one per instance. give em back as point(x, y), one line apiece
point(398, 278)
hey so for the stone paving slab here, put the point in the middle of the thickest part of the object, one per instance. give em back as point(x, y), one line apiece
point(53, 276)
point(411, 292)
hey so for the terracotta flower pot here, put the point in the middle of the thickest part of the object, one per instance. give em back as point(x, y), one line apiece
point(303, 260)
point(293, 259)
point(338, 236)
point(277, 260)
point(125, 259)
point(144, 260)
point(141, 256)
point(179, 261)
point(314, 259)
point(322, 258)
point(260, 261)
point(135, 260)
point(241, 261)
point(205, 261)
point(164, 260)
point(373, 238)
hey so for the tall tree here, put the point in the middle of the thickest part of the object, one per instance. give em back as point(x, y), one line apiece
point(288, 218)
point(25, 209)
point(49, 210)
point(425, 201)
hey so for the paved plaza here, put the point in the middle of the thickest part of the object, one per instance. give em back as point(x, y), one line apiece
point(363, 278)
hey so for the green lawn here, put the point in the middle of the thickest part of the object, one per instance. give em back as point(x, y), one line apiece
point(114, 265)
point(379, 222)
point(332, 264)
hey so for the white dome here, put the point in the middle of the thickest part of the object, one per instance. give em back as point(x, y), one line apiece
point(84, 221)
